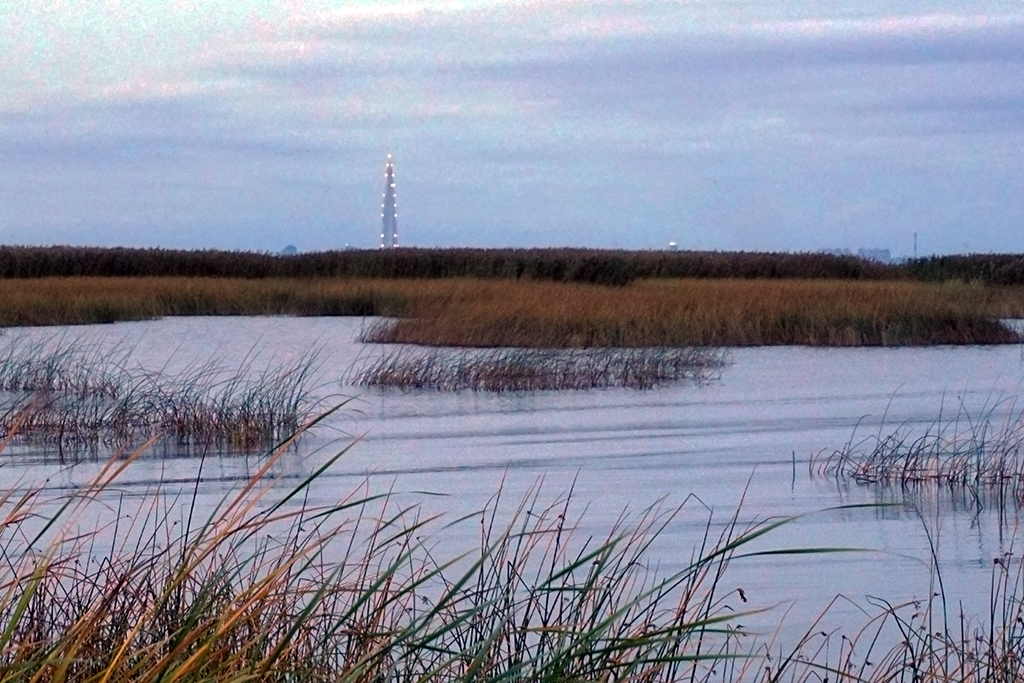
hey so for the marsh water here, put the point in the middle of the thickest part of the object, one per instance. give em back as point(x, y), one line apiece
point(745, 442)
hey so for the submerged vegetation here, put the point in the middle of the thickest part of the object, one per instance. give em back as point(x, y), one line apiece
point(523, 313)
point(500, 370)
point(72, 395)
point(276, 590)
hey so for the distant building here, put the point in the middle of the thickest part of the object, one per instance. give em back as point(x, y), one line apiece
point(879, 255)
point(389, 208)
point(290, 250)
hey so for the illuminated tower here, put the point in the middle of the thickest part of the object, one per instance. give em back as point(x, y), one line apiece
point(389, 209)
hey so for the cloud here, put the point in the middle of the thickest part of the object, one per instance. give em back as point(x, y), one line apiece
point(618, 123)
point(525, 77)
point(138, 131)
point(796, 68)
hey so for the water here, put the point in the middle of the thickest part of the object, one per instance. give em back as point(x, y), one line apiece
point(744, 442)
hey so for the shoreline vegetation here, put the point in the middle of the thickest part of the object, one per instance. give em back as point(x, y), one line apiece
point(269, 587)
point(266, 588)
point(472, 312)
point(590, 266)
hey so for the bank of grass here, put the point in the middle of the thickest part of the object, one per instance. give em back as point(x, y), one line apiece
point(713, 313)
point(79, 300)
point(268, 588)
point(593, 266)
point(527, 313)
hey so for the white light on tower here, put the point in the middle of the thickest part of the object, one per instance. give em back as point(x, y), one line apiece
point(389, 208)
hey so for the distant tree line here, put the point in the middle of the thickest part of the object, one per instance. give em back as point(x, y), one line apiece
point(608, 267)
point(995, 269)
point(596, 266)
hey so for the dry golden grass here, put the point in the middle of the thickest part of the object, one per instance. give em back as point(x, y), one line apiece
point(714, 312)
point(472, 312)
point(58, 301)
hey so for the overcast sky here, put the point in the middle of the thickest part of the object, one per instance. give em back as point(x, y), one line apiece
point(717, 124)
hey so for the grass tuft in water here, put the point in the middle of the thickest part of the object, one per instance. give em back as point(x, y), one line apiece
point(71, 394)
point(983, 450)
point(500, 370)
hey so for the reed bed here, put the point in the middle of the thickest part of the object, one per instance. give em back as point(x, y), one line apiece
point(709, 313)
point(79, 300)
point(979, 451)
point(540, 314)
point(73, 395)
point(500, 370)
point(993, 269)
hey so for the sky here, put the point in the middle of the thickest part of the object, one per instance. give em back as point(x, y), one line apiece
point(794, 125)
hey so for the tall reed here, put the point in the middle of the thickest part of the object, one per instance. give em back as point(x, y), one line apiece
point(265, 587)
point(709, 313)
point(593, 266)
point(915, 642)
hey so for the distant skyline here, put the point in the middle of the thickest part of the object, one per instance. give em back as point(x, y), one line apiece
point(715, 124)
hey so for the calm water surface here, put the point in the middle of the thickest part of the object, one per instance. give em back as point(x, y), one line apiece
point(744, 442)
